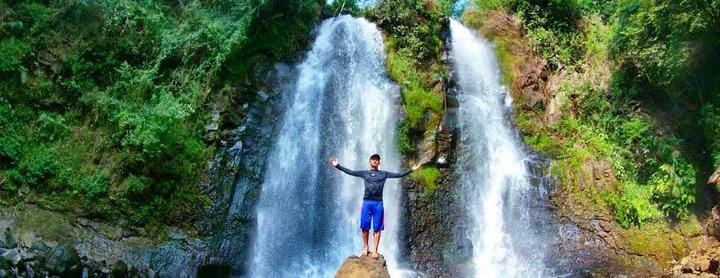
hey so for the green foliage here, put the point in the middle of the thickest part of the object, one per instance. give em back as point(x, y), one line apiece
point(428, 176)
point(414, 50)
point(414, 24)
point(673, 43)
point(633, 206)
point(655, 120)
point(675, 186)
point(93, 186)
point(405, 144)
point(710, 121)
point(13, 51)
point(102, 103)
point(38, 168)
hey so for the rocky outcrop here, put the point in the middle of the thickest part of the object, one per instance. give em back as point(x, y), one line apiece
point(39, 243)
point(363, 267)
point(432, 233)
point(35, 242)
point(702, 263)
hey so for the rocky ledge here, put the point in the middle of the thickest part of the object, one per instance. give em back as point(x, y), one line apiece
point(700, 263)
point(363, 267)
point(40, 243)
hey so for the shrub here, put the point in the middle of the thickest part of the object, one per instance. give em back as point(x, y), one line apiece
point(428, 176)
point(634, 206)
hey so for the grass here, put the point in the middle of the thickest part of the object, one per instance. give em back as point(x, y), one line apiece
point(427, 176)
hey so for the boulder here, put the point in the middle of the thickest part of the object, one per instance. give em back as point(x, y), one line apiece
point(7, 240)
point(361, 267)
point(12, 256)
point(64, 261)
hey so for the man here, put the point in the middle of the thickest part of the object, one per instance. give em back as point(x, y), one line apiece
point(372, 208)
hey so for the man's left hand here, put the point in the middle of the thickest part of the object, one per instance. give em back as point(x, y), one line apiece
point(416, 166)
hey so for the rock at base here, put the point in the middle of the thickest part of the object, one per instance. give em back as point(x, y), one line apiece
point(357, 267)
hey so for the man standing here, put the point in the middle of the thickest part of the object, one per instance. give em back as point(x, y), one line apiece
point(372, 208)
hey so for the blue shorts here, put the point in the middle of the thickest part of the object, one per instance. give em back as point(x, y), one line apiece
point(372, 210)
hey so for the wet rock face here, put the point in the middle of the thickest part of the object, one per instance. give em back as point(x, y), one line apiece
point(433, 236)
point(363, 267)
point(64, 261)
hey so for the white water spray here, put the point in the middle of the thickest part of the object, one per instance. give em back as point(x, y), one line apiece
point(342, 105)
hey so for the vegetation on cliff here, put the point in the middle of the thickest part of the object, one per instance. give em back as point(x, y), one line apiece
point(103, 103)
point(638, 86)
point(415, 49)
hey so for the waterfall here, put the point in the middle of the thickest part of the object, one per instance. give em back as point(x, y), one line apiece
point(503, 221)
point(342, 104)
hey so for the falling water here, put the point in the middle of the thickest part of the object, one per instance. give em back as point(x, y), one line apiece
point(342, 104)
point(492, 168)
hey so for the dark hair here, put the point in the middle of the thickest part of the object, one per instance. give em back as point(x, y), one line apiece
point(375, 156)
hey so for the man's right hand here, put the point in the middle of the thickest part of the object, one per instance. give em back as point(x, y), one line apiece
point(333, 161)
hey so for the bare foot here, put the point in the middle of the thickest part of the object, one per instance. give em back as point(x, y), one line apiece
point(375, 255)
point(365, 252)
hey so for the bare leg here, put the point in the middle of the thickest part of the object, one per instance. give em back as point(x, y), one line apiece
point(365, 235)
point(375, 254)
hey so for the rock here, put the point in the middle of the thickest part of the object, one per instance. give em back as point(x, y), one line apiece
point(688, 267)
point(64, 261)
point(3, 273)
point(119, 269)
point(29, 272)
point(12, 256)
point(5, 264)
point(213, 126)
point(235, 149)
point(715, 177)
point(703, 265)
point(355, 267)
point(714, 263)
point(7, 240)
point(263, 96)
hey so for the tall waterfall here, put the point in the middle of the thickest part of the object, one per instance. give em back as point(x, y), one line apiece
point(342, 104)
point(492, 170)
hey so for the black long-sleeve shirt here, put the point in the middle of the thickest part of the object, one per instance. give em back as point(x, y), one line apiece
point(374, 180)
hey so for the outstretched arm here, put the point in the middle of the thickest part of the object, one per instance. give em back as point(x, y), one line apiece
point(397, 175)
point(400, 175)
point(334, 162)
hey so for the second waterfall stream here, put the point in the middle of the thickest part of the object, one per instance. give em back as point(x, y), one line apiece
point(492, 170)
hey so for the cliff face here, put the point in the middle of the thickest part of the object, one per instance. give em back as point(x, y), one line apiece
point(588, 223)
point(37, 241)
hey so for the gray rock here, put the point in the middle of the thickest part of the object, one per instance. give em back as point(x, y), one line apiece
point(263, 96)
point(235, 149)
point(213, 126)
point(29, 271)
point(64, 261)
point(7, 240)
point(12, 256)
point(3, 273)
point(39, 247)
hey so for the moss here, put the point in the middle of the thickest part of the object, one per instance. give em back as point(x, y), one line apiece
point(48, 225)
point(427, 176)
point(506, 60)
